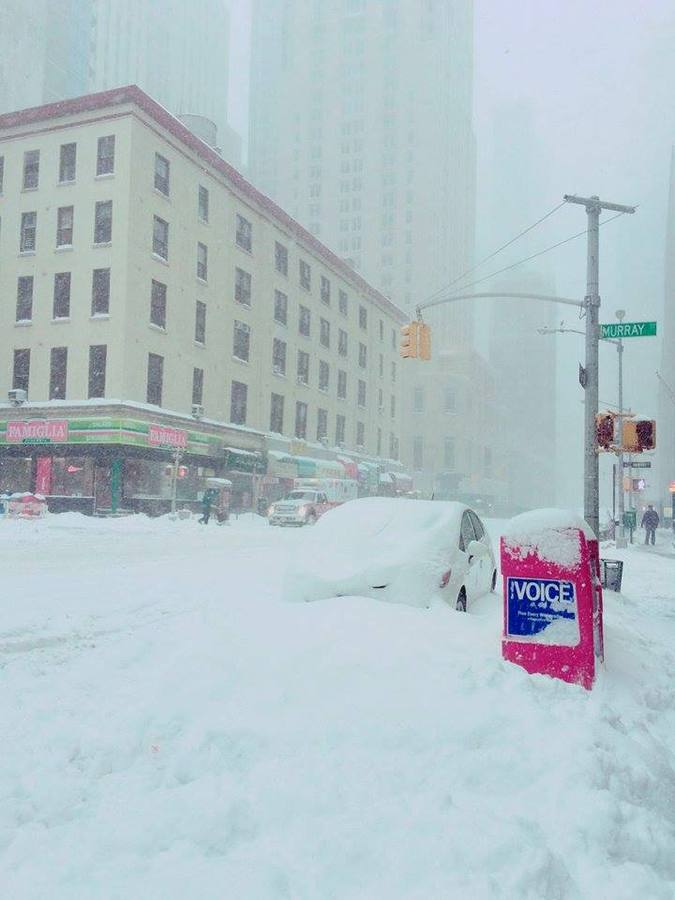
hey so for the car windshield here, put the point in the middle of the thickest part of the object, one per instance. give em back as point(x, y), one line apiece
point(301, 495)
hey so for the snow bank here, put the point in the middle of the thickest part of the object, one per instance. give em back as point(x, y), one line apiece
point(548, 533)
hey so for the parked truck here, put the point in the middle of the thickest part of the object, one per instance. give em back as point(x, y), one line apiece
point(310, 499)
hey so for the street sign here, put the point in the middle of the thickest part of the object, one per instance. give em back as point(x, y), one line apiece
point(638, 464)
point(630, 519)
point(628, 329)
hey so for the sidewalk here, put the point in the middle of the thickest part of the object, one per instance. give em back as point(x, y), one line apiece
point(665, 544)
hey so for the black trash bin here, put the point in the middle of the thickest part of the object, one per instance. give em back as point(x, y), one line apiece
point(611, 573)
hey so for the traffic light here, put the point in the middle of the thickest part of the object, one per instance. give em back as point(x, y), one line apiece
point(409, 340)
point(424, 341)
point(638, 435)
point(182, 472)
point(604, 430)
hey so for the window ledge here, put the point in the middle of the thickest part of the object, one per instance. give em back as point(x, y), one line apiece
point(283, 324)
point(279, 375)
point(66, 183)
point(323, 390)
point(28, 190)
point(243, 303)
point(23, 323)
point(63, 248)
point(202, 221)
point(167, 197)
point(237, 359)
point(104, 175)
point(203, 281)
point(59, 319)
point(155, 327)
point(102, 244)
point(325, 346)
point(159, 259)
point(243, 249)
point(27, 252)
point(200, 344)
point(99, 316)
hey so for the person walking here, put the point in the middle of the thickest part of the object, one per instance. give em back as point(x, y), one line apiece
point(207, 503)
point(650, 522)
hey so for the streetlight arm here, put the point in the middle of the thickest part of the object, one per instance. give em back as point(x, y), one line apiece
point(498, 295)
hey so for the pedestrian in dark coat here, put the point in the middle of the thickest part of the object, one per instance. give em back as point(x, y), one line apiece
point(650, 522)
point(207, 503)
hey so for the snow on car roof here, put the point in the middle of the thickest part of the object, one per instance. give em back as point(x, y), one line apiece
point(549, 533)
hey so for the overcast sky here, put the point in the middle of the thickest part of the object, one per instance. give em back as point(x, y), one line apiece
point(599, 79)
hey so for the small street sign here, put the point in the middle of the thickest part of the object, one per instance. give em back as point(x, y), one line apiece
point(630, 519)
point(639, 464)
point(628, 329)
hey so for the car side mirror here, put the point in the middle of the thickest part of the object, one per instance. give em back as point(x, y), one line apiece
point(477, 548)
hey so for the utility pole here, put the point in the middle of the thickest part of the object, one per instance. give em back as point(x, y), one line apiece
point(592, 308)
point(621, 542)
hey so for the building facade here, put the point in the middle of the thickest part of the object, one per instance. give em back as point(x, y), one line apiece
point(665, 432)
point(144, 269)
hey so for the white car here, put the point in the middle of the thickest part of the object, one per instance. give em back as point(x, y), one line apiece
point(402, 551)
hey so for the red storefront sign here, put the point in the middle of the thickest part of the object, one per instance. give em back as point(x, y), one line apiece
point(162, 436)
point(37, 431)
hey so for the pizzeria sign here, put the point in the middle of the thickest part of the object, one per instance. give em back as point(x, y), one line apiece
point(37, 431)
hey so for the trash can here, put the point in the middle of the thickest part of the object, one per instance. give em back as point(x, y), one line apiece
point(611, 573)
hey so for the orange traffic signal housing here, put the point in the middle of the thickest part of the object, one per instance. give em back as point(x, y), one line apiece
point(409, 340)
point(604, 430)
point(424, 341)
point(639, 435)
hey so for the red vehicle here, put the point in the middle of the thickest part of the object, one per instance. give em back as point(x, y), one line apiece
point(310, 499)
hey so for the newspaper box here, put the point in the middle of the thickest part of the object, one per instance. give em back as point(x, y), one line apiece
point(552, 596)
point(25, 506)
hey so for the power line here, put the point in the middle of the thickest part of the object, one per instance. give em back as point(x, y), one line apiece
point(494, 253)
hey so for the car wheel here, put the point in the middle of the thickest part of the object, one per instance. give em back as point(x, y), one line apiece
point(461, 601)
point(494, 581)
point(311, 519)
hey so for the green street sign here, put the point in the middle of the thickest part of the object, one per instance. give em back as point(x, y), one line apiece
point(628, 329)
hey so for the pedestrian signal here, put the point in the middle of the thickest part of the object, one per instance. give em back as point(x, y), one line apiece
point(424, 341)
point(409, 340)
point(604, 430)
point(638, 435)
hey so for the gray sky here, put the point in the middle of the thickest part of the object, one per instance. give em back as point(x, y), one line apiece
point(598, 78)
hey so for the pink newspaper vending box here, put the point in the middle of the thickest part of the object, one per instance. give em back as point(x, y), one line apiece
point(552, 596)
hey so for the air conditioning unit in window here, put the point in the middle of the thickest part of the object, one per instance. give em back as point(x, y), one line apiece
point(197, 411)
point(301, 380)
point(17, 396)
point(323, 441)
point(277, 370)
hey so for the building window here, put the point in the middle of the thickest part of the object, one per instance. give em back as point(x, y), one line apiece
point(27, 241)
point(100, 292)
point(361, 397)
point(381, 330)
point(449, 400)
point(162, 174)
point(363, 356)
point(325, 290)
point(360, 434)
point(418, 453)
point(303, 367)
point(21, 372)
point(342, 342)
point(393, 371)
point(97, 366)
point(305, 275)
point(155, 379)
point(67, 161)
point(392, 406)
point(244, 235)
point(242, 287)
point(202, 262)
point(160, 238)
point(363, 317)
point(64, 226)
point(241, 341)
point(340, 427)
point(280, 308)
point(200, 322)
point(203, 204)
point(105, 155)
point(322, 425)
point(379, 442)
point(343, 303)
point(31, 169)
point(103, 222)
point(279, 356)
point(304, 321)
point(393, 446)
point(238, 400)
point(449, 454)
point(158, 304)
point(324, 375)
point(277, 414)
point(61, 307)
point(381, 365)
point(24, 298)
point(418, 399)
point(380, 400)
point(58, 368)
point(342, 385)
point(324, 333)
point(393, 339)
point(2, 172)
point(197, 387)
point(280, 258)
point(300, 419)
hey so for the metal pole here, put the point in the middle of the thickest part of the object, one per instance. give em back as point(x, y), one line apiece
point(621, 542)
point(592, 300)
point(174, 480)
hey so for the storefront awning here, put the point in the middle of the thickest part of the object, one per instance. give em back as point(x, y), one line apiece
point(250, 461)
point(281, 464)
point(350, 467)
point(310, 467)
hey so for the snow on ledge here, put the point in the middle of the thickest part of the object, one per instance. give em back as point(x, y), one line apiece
point(551, 534)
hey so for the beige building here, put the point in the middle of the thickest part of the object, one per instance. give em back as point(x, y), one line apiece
point(142, 268)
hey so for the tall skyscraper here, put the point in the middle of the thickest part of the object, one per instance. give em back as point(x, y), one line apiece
point(45, 51)
point(665, 431)
point(361, 126)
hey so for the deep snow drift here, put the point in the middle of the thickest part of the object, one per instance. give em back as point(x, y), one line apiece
point(172, 729)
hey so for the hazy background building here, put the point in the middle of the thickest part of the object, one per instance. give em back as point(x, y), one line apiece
point(665, 430)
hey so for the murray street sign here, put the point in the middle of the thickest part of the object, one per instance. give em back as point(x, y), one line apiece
point(628, 329)
point(637, 464)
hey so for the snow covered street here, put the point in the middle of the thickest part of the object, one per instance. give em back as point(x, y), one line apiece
point(172, 729)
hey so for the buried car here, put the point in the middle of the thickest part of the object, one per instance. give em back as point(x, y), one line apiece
point(402, 551)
